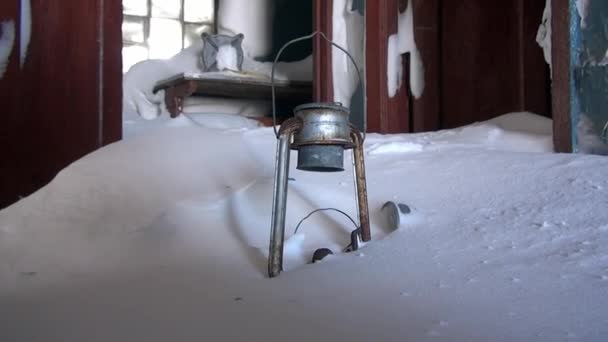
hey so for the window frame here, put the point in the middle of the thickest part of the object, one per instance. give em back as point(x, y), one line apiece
point(147, 18)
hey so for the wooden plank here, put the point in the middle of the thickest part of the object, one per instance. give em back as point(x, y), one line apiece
point(10, 120)
point(183, 85)
point(460, 46)
point(111, 38)
point(535, 81)
point(562, 129)
point(323, 89)
point(242, 87)
point(490, 62)
point(69, 48)
point(426, 109)
point(384, 114)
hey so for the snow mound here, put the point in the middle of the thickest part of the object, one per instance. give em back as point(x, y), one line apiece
point(164, 236)
point(394, 147)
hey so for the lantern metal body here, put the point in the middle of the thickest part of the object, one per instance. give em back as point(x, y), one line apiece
point(320, 132)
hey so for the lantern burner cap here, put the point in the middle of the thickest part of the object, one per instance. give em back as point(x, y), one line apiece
point(324, 135)
point(321, 158)
point(322, 105)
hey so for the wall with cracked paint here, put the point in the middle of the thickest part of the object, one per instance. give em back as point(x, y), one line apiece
point(589, 75)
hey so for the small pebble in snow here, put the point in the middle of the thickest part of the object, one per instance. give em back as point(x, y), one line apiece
point(28, 274)
point(238, 299)
point(544, 226)
point(433, 333)
point(485, 262)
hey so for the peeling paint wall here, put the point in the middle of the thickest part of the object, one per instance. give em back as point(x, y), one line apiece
point(589, 68)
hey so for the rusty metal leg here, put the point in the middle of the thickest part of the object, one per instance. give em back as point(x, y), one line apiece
point(279, 201)
point(175, 95)
point(362, 204)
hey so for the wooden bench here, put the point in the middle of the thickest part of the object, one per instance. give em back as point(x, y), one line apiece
point(230, 85)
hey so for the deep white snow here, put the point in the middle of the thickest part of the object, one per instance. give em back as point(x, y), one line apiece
point(163, 237)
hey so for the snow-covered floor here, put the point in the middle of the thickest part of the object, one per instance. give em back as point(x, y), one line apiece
point(163, 237)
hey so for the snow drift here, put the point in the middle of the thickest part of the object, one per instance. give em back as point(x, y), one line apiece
point(163, 237)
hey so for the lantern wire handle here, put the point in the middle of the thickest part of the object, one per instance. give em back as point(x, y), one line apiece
point(276, 59)
point(324, 209)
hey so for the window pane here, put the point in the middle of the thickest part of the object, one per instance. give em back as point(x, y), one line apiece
point(196, 11)
point(193, 33)
point(133, 30)
point(132, 55)
point(165, 38)
point(135, 7)
point(166, 8)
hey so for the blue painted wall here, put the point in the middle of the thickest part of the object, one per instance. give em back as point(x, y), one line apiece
point(589, 77)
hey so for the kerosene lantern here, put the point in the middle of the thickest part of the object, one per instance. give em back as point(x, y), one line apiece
point(320, 132)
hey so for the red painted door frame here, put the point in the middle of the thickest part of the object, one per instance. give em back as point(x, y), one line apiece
point(384, 114)
point(66, 100)
point(323, 90)
point(10, 121)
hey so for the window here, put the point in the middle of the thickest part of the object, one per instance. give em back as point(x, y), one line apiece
point(162, 28)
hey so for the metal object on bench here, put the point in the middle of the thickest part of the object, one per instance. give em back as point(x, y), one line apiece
point(320, 132)
point(211, 48)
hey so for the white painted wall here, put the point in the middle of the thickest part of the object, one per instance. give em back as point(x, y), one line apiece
point(253, 18)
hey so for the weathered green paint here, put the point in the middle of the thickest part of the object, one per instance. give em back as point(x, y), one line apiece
point(589, 76)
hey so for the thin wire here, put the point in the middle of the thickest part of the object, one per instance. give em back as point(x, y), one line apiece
point(187, 116)
point(605, 133)
point(276, 59)
point(324, 209)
